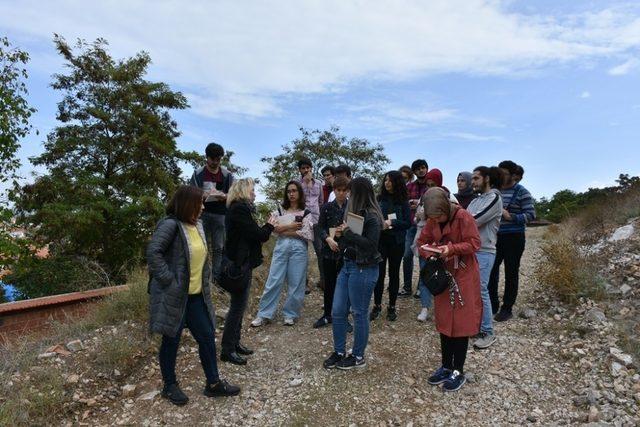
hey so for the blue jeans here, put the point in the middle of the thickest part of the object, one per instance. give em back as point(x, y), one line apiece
point(407, 260)
point(354, 289)
point(214, 232)
point(485, 261)
point(196, 318)
point(425, 295)
point(289, 261)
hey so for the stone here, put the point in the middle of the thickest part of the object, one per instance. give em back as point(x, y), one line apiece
point(557, 317)
point(595, 315)
point(622, 233)
point(46, 355)
point(73, 379)
point(620, 357)
point(471, 378)
point(74, 346)
point(296, 382)
point(625, 289)
point(594, 414)
point(616, 369)
point(149, 396)
point(128, 390)
point(528, 313)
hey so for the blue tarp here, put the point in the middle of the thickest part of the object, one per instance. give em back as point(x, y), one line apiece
point(10, 293)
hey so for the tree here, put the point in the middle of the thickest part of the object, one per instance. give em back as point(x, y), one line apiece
point(14, 108)
point(14, 125)
point(326, 147)
point(110, 162)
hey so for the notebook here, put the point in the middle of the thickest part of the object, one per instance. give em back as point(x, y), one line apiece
point(355, 223)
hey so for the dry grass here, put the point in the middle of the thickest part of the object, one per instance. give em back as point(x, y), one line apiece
point(565, 269)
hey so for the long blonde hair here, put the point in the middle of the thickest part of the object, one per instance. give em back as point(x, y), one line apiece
point(240, 190)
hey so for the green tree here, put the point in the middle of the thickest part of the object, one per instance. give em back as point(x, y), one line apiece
point(325, 147)
point(110, 162)
point(14, 125)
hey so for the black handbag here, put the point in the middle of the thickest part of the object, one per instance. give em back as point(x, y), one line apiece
point(435, 276)
point(232, 275)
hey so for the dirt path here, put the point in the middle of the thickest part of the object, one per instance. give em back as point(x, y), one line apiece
point(522, 378)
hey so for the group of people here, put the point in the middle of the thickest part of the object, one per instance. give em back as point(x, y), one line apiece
point(471, 233)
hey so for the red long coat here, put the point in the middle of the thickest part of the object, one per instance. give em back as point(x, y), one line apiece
point(461, 235)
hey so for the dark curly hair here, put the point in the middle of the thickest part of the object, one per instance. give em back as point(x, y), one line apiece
point(399, 194)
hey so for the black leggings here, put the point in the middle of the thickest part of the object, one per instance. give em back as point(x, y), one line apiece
point(392, 251)
point(454, 352)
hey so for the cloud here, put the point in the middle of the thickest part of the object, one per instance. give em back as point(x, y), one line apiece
point(247, 58)
point(625, 67)
point(585, 94)
point(468, 136)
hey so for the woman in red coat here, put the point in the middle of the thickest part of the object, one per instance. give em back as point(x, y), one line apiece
point(458, 310)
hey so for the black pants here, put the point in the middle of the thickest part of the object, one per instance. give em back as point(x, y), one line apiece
point(331, 269)
point(233, 321)
point(196, 318)
point(454, 352)
point(391, 251)
point(509, 248)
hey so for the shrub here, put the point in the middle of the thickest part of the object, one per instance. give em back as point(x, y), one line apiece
point(565, 269)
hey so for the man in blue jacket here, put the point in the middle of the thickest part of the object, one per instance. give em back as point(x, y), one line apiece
point(215, 181)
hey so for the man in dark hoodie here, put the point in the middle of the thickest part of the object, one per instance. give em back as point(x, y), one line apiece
point(215, 181)
point(486, 210)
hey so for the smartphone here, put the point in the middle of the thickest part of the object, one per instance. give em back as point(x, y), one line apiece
point(298, 218)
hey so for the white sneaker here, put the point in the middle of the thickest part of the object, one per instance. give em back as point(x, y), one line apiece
point(288, 321)
point(424, 315)
point(257, 322)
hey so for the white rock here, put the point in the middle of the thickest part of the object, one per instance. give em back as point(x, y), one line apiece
point(149, 396)
point(75, 345)
point(624, 289)
point(616, 369)
point(528, 313)
point(622, 233)
point(128, 390)
point(46, 355)
point(295, 382)
point(595, 315)
point(594, 415)
point(622, 358)
point(73, 379)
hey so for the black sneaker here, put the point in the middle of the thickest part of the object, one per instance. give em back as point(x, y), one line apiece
point(331, 362)
point(245, 351)
point(392, 315)
point(439, 376)
point(375, 312)
point(221, 389)
point(503, 316)
point(404, 293)
point(416, 295)
point(174, 395)
point(350, 362)
point(323, 321)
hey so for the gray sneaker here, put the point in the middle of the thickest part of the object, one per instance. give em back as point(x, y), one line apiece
point(484, 340)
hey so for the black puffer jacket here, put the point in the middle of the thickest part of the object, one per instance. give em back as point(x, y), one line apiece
point(244, 236)
point(168, 258)
point(363, 249)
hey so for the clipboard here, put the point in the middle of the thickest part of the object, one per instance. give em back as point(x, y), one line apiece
point(355, 223)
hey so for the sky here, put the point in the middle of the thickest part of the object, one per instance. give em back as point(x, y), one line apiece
point(553, 85)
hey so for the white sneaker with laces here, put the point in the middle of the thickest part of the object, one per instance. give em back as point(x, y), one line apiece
point(288, 321)
point(424, 315)
point(257, 322)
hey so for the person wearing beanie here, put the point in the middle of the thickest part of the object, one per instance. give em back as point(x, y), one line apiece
point(465, 192)
point(452, 232)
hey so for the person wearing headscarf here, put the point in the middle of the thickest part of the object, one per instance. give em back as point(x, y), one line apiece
point(452, 231)
point(465, 192)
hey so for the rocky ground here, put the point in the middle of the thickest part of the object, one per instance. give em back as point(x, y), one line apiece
point(550, 365)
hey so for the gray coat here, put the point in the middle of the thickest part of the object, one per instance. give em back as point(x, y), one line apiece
point(168, 258)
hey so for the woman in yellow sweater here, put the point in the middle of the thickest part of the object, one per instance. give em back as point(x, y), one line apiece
point(180, 295)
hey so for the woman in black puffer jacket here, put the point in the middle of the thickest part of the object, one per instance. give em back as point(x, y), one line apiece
point(180, 295)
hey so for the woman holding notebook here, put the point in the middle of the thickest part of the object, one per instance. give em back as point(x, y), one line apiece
point(358, 241)
point(294, 227)
point(394, 203)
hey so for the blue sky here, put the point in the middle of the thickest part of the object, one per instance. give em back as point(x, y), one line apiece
point(552, 85)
